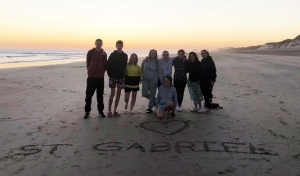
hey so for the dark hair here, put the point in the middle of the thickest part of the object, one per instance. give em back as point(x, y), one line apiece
point(150, 54)
point(206, 52)
point(181, 50)
point(135, 63)
point(195, 55)
point(98, 40)
point(165, 52)
point(169, 78)
point(119, 42)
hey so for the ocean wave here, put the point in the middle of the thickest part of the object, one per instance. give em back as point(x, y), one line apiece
point(22, 56)
point(10, 62)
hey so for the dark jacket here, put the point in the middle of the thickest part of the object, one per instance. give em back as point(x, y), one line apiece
point(116, 65)
point(208, 70)
point(194, 70)
point(181, 68)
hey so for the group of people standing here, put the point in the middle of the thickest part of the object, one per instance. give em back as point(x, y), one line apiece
point(153, 74)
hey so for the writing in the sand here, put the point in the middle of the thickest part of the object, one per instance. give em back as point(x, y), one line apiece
point(186, 146)
point(178, 147)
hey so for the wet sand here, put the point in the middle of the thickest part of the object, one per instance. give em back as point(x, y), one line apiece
point(257, 133)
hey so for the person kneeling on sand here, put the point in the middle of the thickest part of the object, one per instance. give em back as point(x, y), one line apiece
point(166, 98)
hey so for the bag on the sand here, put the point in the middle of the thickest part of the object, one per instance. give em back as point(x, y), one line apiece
point(215, 106)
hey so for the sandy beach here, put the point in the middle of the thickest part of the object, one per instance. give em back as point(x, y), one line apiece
point(257, 133)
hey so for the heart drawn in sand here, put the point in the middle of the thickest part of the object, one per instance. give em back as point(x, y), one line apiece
point(166, 128)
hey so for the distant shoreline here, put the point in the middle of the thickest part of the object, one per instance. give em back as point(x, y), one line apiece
point(265, 52)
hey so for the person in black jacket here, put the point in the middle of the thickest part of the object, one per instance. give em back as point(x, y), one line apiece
point(116, 66)
point(180, 78)
point(193, 81)
point(207, 78)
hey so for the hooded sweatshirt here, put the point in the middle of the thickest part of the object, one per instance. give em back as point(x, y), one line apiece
point(208, 70)
point(151, 70)
point(116, 65)
point(95, 63)
point(166, 94)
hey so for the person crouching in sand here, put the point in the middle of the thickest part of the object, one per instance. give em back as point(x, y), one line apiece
point(166, 98)
point(132, 80)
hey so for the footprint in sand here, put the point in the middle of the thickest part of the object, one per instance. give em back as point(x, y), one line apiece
point(283, 122)
point(29, 133)
point(276, 135)
point(296, 156)
point(76, 166)
point(48, 123)
point(282, 109)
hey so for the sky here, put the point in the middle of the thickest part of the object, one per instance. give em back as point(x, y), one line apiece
point(155, 24)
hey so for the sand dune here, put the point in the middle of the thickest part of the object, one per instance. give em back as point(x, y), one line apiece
point(289, 47)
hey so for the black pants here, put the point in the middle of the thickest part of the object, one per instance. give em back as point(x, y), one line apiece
point(92, 85)
point(180, 86)
point(206, 89)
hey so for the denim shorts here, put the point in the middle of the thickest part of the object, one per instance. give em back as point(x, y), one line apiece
point(162, 106)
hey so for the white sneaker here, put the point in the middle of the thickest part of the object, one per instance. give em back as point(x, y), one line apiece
point(200, 110)
point(195, 109)
point(178, 108)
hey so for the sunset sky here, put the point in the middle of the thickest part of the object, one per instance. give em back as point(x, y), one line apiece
point(161, 24)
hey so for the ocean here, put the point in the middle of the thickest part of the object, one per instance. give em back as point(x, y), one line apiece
point(14, 56)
